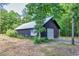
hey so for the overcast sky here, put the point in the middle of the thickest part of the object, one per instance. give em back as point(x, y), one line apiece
point(17, 7)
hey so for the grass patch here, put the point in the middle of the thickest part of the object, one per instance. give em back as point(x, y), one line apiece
point(36, 40)
point(51, 51)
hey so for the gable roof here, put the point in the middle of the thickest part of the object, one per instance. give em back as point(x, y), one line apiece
point(33, 23)
point(27, 25)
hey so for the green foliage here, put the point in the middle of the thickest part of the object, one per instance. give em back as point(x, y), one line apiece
point(36, 40)
point(37, 12)
point(61, 12)
point(8, 20)
point(26, 19)
point(41, 11)
point(11, 33)
point(76, 17)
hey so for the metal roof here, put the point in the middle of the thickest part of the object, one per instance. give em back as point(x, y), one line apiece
point(31, 24)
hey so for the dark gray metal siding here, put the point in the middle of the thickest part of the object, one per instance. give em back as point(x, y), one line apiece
point(24, 32)
point(51, 24)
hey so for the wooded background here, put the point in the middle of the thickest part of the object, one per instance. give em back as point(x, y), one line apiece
point(38, 11)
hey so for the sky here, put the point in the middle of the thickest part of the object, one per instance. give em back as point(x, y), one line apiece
point(17, 7)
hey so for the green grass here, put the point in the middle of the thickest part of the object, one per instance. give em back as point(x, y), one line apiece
point(69, 38)
point(51, 52)
point(42, 40)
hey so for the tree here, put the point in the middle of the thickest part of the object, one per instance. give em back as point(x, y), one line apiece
point(73, 27)
point(3, 17)
point(26, 19)
point(8, 20)
point(65, 21)
point(75, 16)
point(41, 11)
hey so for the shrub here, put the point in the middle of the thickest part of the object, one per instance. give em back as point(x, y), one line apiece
point(37, 40)
point(20, 36)
point(41, 40)
point(11, 33)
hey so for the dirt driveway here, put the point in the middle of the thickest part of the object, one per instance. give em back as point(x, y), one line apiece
point(24, 47)
point(14, 46)
point(67, 40)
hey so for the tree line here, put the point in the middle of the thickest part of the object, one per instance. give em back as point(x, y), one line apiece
point(38, 11)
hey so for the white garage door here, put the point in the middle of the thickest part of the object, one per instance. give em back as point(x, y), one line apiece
point(50, 33)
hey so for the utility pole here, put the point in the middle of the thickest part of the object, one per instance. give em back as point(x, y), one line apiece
point(73, 26)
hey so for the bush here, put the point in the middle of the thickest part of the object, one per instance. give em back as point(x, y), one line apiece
point(20, 36)
point(11, 33)
point(37, 40)
point(41, 40)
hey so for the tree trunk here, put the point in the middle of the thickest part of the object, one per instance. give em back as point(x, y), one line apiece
point(73, 28)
